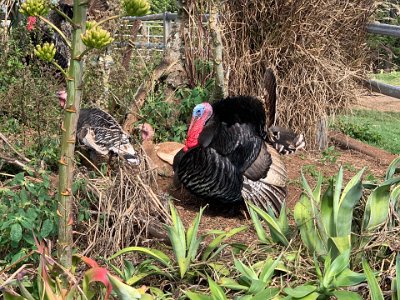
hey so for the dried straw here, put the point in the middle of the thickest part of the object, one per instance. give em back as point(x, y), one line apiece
point(316, 48)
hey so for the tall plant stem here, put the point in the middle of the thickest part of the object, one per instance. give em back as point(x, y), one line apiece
point(67, 42)
point(66, 162)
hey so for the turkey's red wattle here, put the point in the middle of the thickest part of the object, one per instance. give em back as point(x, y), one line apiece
point(195, 128)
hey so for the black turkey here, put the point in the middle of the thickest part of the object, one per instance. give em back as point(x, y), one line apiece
point(229, 155)
point(100, 132)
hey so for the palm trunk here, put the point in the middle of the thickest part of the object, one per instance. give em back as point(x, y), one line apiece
point(66, 169)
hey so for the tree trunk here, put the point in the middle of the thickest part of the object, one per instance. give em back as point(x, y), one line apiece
point(220, 88)
point(66, 167)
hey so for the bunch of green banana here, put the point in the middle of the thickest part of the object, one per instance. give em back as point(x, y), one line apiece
point(135, 8)
point(96, 37)
point(35, 7)
point(45, 52)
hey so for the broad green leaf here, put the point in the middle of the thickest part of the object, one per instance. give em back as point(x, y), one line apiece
point(47, 228)
point(283, 220)
point(266, 294)
point(219, 239)
point(9, 296)
point(232, 284)
point(337, 245)
point(309, 232)
point(336, 197)
point(193, 243)
point(350, 197)
point(268, 270)
point(134, 279)
point(336, 267)
point(377, 208)
point(245, 270)
point(197, 296)
point(327, 210)
point(124, 291)
point(276, 232)
point(16, 232)
point(346, 295)
point(396, 281)
point(391, 170)
point(312, 296)
point(348, 278)
point(156, 254)
point(261, 234)
point(376, 292)
point(256, 286)
point(216, 291)
point(300, 291)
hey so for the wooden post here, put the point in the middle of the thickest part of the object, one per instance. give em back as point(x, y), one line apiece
point(322, 133)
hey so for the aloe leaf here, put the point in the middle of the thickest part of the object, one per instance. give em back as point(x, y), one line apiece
point(256, 286)
point(276, 232)
point(261, 234)
point(216, 291)
point(396, 281)
point(346, 295)
point(377, 208)
point(348, 278)
point(339, 264)
point(218, 240)
point(245, 270)
point(156, 254)
point(309, 232)
point(350, 197)
point(376, 292)
point(197, 296)
point(193, 241)
point(300, 291)
point(283, 221)
point(269, 268)
point(340, 244)
point(336, 197)
point(327, 211)
point(232, 284)
point(391, 170)
point(266, 294)
point(123, 291)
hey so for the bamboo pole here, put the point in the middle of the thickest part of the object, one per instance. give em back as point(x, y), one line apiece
point(66, 162)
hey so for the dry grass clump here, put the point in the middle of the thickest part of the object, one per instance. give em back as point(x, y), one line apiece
point(316, 49)
point(125, 209)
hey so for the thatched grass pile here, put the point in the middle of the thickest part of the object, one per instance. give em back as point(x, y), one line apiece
point(125, 209)
point(316, 48)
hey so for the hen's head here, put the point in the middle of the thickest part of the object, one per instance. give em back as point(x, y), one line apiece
point(201, 113)
point(62, 97)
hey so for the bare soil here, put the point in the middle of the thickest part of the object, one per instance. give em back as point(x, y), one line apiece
point(226, 218)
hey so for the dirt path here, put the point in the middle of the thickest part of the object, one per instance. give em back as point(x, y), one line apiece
point(375, 101)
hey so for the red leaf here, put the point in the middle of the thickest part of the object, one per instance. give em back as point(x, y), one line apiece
point(89, 261)
point(98, 274)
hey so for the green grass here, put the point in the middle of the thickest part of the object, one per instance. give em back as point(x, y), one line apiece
point(379, 129)
point(392, 78)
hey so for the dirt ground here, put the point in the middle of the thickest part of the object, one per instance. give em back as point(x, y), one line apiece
point(224, 218)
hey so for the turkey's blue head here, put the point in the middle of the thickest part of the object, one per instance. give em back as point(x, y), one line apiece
point(201, 113)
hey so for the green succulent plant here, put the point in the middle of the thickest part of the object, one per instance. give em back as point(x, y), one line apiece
point(135, 7)
point(45, 52)
point(96, 37)
point(35, 7)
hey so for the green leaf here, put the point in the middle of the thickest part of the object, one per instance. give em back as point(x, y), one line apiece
point(124, 292)
point(349, 198)
point(261, 234)
point(268, 270)
point(337, 245)
point(216, 291)
point(336, 267)
point(348, 278)
point(197, 296)
point(396, 281)
point(276, 231)
point(309, 232)
point(47, 228)
point(346, 295)
point(376, 292)
point(245, 270)
point(266, 294)
point(327, 210)
point(300, 291)
point(256, 286)
point(16, 232)
point(156, 254)
point(336, 198)
point(9, 296)
point(391, 170)
point(377, 207)
point(232, 284)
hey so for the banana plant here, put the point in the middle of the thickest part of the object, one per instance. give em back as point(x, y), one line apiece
point(325, 221)
point(336, 275)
